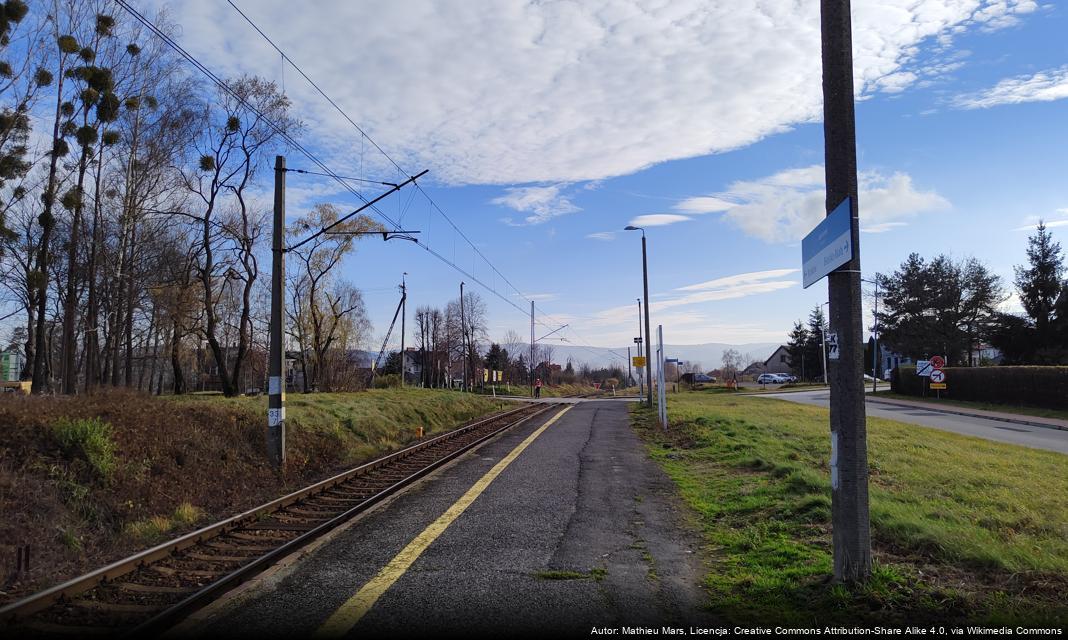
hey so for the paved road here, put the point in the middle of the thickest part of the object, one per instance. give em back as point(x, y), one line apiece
point(583, 497)
point(1026, 435)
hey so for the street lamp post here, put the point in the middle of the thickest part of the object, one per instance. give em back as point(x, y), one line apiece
point(648, 328)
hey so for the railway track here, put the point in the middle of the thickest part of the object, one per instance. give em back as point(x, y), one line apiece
point(154, 589)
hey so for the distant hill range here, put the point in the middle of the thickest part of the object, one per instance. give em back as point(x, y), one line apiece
point(709, 355)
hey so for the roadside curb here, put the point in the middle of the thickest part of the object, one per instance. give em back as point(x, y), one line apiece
point(971, 414)
point(776, 391)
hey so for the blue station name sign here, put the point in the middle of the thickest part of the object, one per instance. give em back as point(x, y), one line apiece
point(828, 246)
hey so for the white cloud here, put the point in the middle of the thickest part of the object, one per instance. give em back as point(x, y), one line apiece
point(704, 204)
point(538, 297)
point(658, 219)
point(784, 207)
point(604, 236)
point(1032, 221)
point(543, 203)
point(882, 227)
point(726, 288)
point(534, 92)
point(739, 279)
point(1044, 86)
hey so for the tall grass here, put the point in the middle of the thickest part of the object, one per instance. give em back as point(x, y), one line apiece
point(756, 471)
point(89, 438)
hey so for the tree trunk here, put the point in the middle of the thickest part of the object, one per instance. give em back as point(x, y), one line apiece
point(176, 363)
point(40, 353)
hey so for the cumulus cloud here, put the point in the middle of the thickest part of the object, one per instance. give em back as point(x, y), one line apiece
point(543, 203)
point(1045, 86)
point(725, 288)
point(739, 279)
point(658, 219)
point(548, 92)
point(785, 206)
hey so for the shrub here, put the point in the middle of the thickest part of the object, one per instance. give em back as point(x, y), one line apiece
point(1032, 386)
point(89, 438)
point(388, 381)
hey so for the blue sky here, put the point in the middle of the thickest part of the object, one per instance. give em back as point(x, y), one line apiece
point(548, 127)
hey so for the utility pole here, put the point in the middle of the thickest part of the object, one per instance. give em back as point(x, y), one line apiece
point(661, 395)
point(641, 377)
point(463, 336)
point(630, 376)
point(531, 348)
point(875, 341)
point(276, 381)
point(404, 302)
point(850, 521)
point(823, 340)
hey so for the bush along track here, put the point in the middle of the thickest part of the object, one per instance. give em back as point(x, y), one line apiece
point(964, 530)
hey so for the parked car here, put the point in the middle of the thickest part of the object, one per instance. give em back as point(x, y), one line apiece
point(788, 378)
point(769, 378)
point(700, 377)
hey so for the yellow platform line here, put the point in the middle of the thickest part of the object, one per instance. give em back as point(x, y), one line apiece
point(358, 605)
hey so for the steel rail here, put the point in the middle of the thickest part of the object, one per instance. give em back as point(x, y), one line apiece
point(21, 610)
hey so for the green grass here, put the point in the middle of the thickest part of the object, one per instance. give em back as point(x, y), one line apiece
point(596, 573)
point(89, 438)
point(155, 528)
point(369, 423)
point(962, 526)
point(1038, 412)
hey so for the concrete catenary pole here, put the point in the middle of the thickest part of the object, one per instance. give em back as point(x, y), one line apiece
point(850, 522)
point(404, 302)
point(463, 336)
point(276, 381)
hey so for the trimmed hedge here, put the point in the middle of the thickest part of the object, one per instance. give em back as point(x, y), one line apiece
point(1031, 386)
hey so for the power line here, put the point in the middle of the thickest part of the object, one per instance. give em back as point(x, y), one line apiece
point(328, 172)
point(363, 133)
point(226, 87)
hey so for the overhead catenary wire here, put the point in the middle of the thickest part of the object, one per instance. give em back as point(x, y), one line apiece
point(327, 171)
point(364, 134)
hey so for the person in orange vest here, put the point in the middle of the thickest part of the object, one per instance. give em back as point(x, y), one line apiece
point(537, 388)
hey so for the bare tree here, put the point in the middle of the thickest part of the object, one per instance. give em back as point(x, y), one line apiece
point(231, 149)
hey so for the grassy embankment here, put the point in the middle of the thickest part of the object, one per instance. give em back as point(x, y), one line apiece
point(963, 529)
point(1038, 412)
point(88, 479)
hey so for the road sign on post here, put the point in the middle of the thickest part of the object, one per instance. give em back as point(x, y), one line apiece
point(829, 245)
point(938, 362)
point(850, 520)
point(937, 376)
point(639, 361)
point(924, 368)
